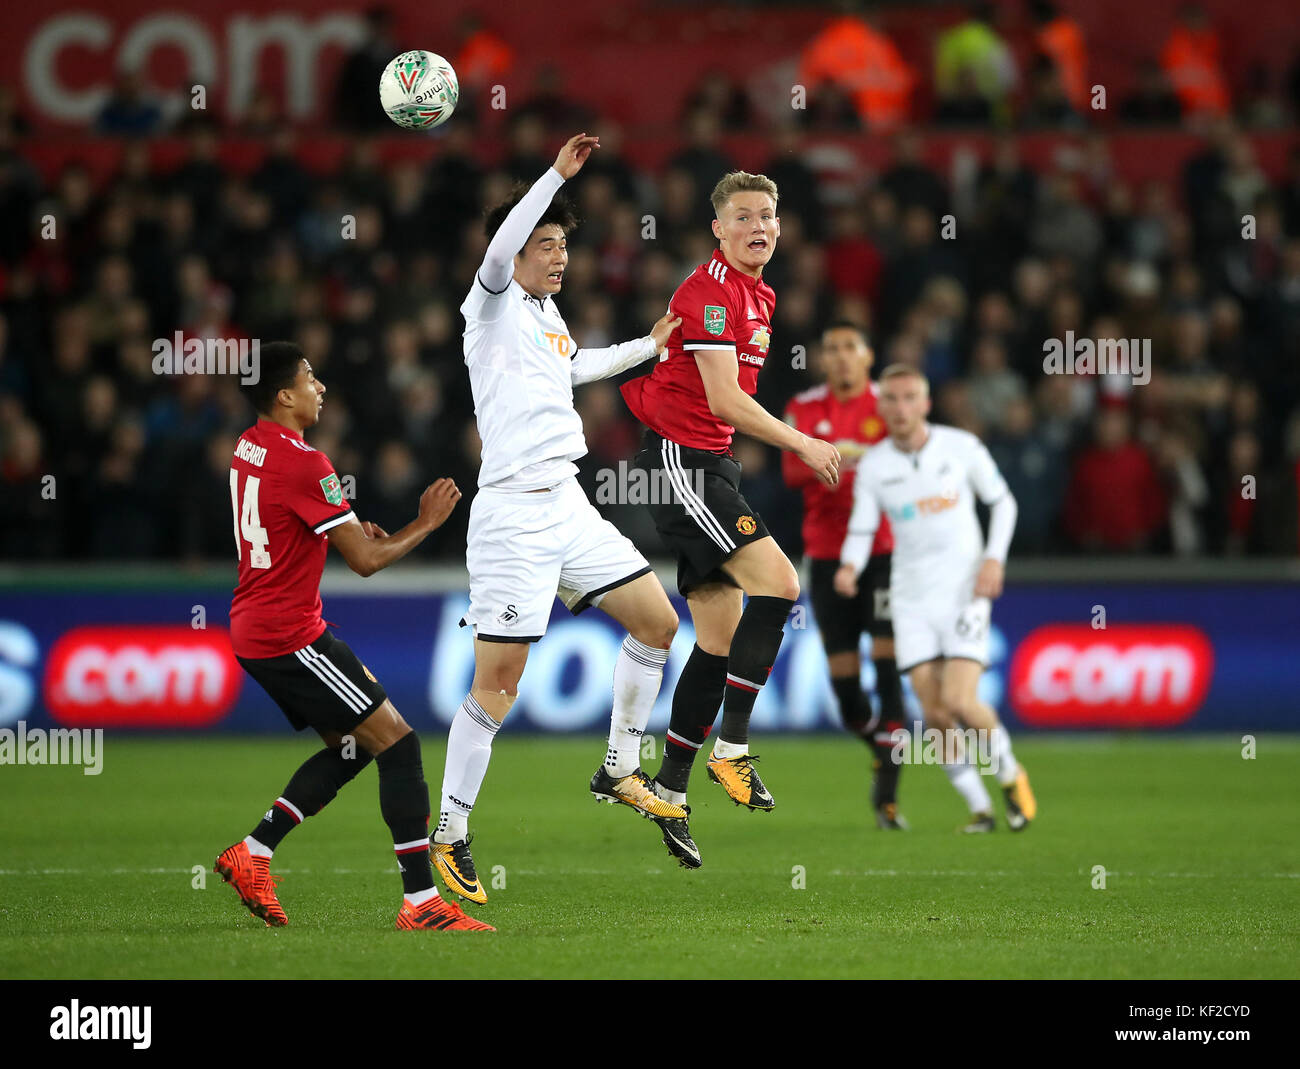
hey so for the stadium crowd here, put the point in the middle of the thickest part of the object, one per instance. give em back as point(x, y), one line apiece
point(1203, 458)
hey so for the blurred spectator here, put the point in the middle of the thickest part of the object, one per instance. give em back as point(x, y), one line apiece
point(560, 116)
point(1260, 106)
point(722, 98)
point(910, 181)
point(282, 179)
point(129, 110)
point(12, 121)
point(972, 62)
point(795, 181)
point(1192, 58)
point(993, 385)
point(1034, 465)
point(1115, 502)
point(1059, 37)
point(853, 54)
point(356, 100)
point(1153, 102)
point(704, 160)
point(482, 58)
point(1048, 105)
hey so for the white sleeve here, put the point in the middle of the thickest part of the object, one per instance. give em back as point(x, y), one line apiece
point(591, 364)
point(985, 479)
point(863, 522)
point(1002, 525)
point(993, 490)
point(499, 262)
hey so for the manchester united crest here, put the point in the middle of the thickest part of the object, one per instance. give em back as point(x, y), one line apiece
point(746, 525)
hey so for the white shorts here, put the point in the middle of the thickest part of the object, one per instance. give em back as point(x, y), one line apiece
point(950, 625)
point(524, 549)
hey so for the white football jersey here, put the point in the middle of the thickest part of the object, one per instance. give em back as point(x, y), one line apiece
point(929, 497)
point(519, 353)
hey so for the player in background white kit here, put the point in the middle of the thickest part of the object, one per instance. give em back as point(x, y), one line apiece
point(532, 531)
point(943, 578)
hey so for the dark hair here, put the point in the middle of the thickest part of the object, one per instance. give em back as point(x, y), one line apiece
point(279, 362)
point(848, 324)
point(559, 212)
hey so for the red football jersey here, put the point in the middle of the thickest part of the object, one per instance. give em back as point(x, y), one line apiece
point(285, 495)
point(850, 426)
point(721, 308)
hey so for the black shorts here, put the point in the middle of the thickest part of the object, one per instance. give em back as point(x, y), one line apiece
point(322, 686)
point(697, 508)
point(842, 620)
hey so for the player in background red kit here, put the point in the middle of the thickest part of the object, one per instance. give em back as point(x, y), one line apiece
point(843, 411)
point(737, 583)
point(288, 506)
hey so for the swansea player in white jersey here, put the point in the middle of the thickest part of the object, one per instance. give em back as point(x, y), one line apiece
point(532, 531)
point(943, 579)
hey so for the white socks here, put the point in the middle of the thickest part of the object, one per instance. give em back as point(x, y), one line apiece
point(255, 848)
point(469, 749)
point(637, 677)
point(728, 750)
point(967, 781)
point(1003, 759)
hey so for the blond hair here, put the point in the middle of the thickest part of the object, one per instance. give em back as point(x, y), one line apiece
point(900, 371)
point(741, 182)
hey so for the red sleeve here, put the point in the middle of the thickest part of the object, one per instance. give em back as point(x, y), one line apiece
point(708, 316)
point(313, 493)
point(794, 471)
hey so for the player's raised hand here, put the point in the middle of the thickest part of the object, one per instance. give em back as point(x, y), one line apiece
point(988, 583)
point(662, 330)
point(845, 581)
point(822, 457)
point(437, 501)
point(574, 154)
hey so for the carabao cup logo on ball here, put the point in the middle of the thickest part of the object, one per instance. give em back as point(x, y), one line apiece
point(419, 90)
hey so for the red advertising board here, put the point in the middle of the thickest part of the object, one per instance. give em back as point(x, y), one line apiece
point(1124, 676)
point(141, 676)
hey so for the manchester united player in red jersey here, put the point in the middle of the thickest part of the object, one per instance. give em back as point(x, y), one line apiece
point(843, 409)
point(288, 505)
point(696, 398)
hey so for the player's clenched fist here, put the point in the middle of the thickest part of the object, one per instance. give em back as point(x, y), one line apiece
point(574, 154)
point(437, 502)
point(822, 457)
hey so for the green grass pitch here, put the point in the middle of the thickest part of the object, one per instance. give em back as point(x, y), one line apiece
point(1201, 850)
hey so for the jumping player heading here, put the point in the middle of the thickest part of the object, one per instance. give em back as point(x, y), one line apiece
point(696, 398)
point(532, 531)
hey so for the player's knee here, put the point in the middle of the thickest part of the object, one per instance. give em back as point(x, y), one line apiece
point(958, 705)
point(660, 632)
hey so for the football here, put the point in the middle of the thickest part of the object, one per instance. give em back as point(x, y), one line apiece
point(418, 90)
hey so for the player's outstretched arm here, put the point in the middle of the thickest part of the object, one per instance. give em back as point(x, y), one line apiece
point(367, 547)
point(499, 261)
point(720, 373)
point(588, 365)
